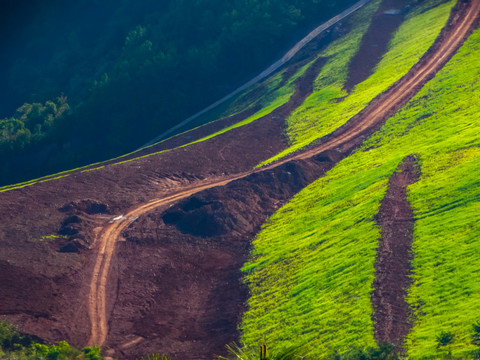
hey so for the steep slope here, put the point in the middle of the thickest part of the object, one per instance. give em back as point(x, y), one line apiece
point(120, 267)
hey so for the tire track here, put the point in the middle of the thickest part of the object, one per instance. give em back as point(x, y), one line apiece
point(346, 138)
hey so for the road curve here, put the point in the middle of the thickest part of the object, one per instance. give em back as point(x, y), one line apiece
point(107, 240)
point(370, 118)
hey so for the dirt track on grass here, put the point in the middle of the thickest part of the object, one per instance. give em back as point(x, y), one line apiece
point(343, 140)
point(97, 294)
point(385, 105)
point(374, 44)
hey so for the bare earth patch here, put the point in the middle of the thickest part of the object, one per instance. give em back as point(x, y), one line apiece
point(395, 218)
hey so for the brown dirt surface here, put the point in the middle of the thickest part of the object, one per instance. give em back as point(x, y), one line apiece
point(374, 43)
point(272, 122)
point(50, 231)
point(100, 279)
point(392, 276)
point(192, 297)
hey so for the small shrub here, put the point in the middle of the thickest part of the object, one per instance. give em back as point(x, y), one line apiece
point(444, 339)
point(476, 334)
point(11, 338)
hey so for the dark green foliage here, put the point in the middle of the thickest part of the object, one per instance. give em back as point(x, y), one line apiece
point(476, 340)
point(476, 334)
point(475, 354)
point(444, 340)
point(31, 123)
point(10, 337)
point(62, 351)
point(131, 69)
point(14, 345)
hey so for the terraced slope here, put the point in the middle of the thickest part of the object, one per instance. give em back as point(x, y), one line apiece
point(381, 107)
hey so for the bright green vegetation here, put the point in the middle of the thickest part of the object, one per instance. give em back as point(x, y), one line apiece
point(446, 293)
point(156, 357)
point(14, 345)
point(30, 124)
point(330, 106)
point(51, 237)
point(312, 266)
point(17, 346)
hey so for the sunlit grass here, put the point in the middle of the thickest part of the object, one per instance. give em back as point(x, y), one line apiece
point(330, 106)
point(311, 270)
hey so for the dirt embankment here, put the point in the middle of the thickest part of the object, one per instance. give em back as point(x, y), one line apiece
point(190, 300)
point(463, 20)
point(48, 230)
point(392, 267)
point(269, 127)
point(343, 141)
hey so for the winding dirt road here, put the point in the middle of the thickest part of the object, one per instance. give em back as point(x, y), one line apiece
point(347, 137)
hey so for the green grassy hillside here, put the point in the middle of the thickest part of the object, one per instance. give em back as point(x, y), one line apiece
point(330, 106)
point(312, 267)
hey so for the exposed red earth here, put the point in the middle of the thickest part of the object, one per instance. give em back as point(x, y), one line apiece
point(392, 315)
point(164, 281)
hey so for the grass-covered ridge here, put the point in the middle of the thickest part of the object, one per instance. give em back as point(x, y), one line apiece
point(272, 98)
point(312, 266)
point(330, 106)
